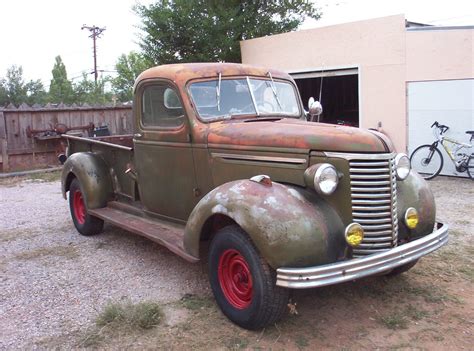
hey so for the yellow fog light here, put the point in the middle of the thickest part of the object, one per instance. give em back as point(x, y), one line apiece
point(411, 218)
point(354, 234)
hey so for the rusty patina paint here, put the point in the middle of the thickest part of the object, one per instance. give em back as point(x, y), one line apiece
point(289, 223)
point(93, 175)
point(289, 226)
point(295, 134)
point(415, 192)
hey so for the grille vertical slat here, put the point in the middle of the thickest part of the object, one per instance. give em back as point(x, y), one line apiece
point(374, 202)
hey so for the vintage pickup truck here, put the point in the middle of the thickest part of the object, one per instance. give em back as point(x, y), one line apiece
point(224, 163)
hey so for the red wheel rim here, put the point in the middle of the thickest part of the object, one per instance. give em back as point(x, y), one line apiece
point(79, 207)
point(235, 279)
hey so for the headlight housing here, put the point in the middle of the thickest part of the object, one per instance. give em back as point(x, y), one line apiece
point(411, 218)
point(326, 179)
point(402, 166)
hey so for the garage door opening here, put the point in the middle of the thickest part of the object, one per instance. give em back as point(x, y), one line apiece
point(340, 94)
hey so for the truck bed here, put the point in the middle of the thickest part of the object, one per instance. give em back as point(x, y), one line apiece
point(117, 153)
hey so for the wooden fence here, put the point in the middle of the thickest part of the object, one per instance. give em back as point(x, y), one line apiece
point(20, 149)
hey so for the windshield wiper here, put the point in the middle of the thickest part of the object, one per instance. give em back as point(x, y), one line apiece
point(274, 91)
point(218, 93)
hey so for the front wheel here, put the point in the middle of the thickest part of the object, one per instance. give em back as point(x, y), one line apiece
point(83, 221)
point(427, 160)
point(470, 167)
point(242, 282)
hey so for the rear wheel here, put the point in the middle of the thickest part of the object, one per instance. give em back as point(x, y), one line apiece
point(427, 160)
point(84, 222)
point(242, 282)
point(470, 167)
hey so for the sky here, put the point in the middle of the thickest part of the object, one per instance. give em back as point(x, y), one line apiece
point(34, 32)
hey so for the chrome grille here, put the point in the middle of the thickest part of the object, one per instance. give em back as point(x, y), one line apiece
point(374, 202)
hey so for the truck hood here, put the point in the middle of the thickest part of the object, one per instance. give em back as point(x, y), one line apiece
point(296, 134)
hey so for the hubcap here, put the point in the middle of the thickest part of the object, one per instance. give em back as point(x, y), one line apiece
point(79, 207)
point(235, 279)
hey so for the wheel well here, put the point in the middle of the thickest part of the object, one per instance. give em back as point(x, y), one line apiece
point(70, 177)
point(210, 228)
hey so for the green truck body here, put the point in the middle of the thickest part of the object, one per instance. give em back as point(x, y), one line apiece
point(223, 155)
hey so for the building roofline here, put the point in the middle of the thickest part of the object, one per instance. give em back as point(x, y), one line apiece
point(418, 29)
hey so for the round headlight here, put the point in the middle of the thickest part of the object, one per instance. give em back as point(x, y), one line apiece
point(354, 234)
point(411, 218)
point(402, 166)
point(326, 179)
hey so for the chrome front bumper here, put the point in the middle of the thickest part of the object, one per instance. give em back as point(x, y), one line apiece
point(334, 273)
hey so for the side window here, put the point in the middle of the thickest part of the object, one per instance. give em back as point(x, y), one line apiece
point(161, 107)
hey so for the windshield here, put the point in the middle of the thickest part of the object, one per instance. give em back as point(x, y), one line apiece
point(225, 98)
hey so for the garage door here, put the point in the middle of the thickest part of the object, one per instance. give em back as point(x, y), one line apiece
point(449, 102)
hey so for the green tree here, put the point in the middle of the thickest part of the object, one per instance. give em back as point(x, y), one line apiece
point(35, 93)
point(128, 68)
point(14, 90)
point(3, 93)
point(15, 85)
point(60, 89)
point(88, 92)
point(210, 30)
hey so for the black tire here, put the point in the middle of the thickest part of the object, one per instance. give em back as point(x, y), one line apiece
point(470, 167)
point(427, 160)
point(402, 269)
point(84, 222)
point(250, 298)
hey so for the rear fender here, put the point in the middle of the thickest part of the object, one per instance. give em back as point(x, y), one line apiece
point(93, 175)
point(290, 226)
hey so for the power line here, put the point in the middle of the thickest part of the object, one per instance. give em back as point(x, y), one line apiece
point(95, 33)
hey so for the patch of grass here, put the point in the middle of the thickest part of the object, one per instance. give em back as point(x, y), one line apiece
point(92, 338)
point(415, 313)
point(69, 252)
point(237, 343)
point(195, 303)
point(45, 176)
point(468, 272)
point(9, 235)
point(143, 315)
point(395, 321)
point(301, 341)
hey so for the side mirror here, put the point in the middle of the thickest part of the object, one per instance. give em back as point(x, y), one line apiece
point(315, 108)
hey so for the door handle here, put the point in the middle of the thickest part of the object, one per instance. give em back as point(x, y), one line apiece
point(137, 135)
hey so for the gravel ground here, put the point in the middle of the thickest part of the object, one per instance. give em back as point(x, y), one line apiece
point(54, 281)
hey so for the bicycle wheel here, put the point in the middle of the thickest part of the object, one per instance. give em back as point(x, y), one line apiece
point(427, 160)
point(470, 167)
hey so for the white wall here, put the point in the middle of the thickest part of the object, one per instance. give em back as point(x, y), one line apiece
point(450, 102)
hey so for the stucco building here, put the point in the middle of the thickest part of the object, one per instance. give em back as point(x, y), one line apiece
point(383, 72)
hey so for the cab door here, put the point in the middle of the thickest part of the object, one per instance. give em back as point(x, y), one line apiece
point(163, 153)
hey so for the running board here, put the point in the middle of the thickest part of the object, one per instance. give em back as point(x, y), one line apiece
point(168, 235)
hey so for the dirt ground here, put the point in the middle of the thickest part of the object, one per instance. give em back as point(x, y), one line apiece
point(57, 287)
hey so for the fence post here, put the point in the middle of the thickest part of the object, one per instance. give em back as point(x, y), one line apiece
point(4, 145)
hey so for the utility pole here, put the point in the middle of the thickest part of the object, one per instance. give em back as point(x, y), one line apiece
point(95, 33)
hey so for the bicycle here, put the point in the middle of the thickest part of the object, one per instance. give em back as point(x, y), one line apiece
point(428, 161)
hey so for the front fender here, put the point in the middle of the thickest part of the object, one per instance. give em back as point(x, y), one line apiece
point(415, 192)
point(289, 226)
point(93, 175)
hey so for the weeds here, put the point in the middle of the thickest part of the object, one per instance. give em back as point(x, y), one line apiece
point(237, 343)
point(395, 321)
point(144, 315)
point(301, 341)
point(195, 303)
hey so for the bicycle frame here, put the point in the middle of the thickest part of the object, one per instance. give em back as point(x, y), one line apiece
point(452, 147)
